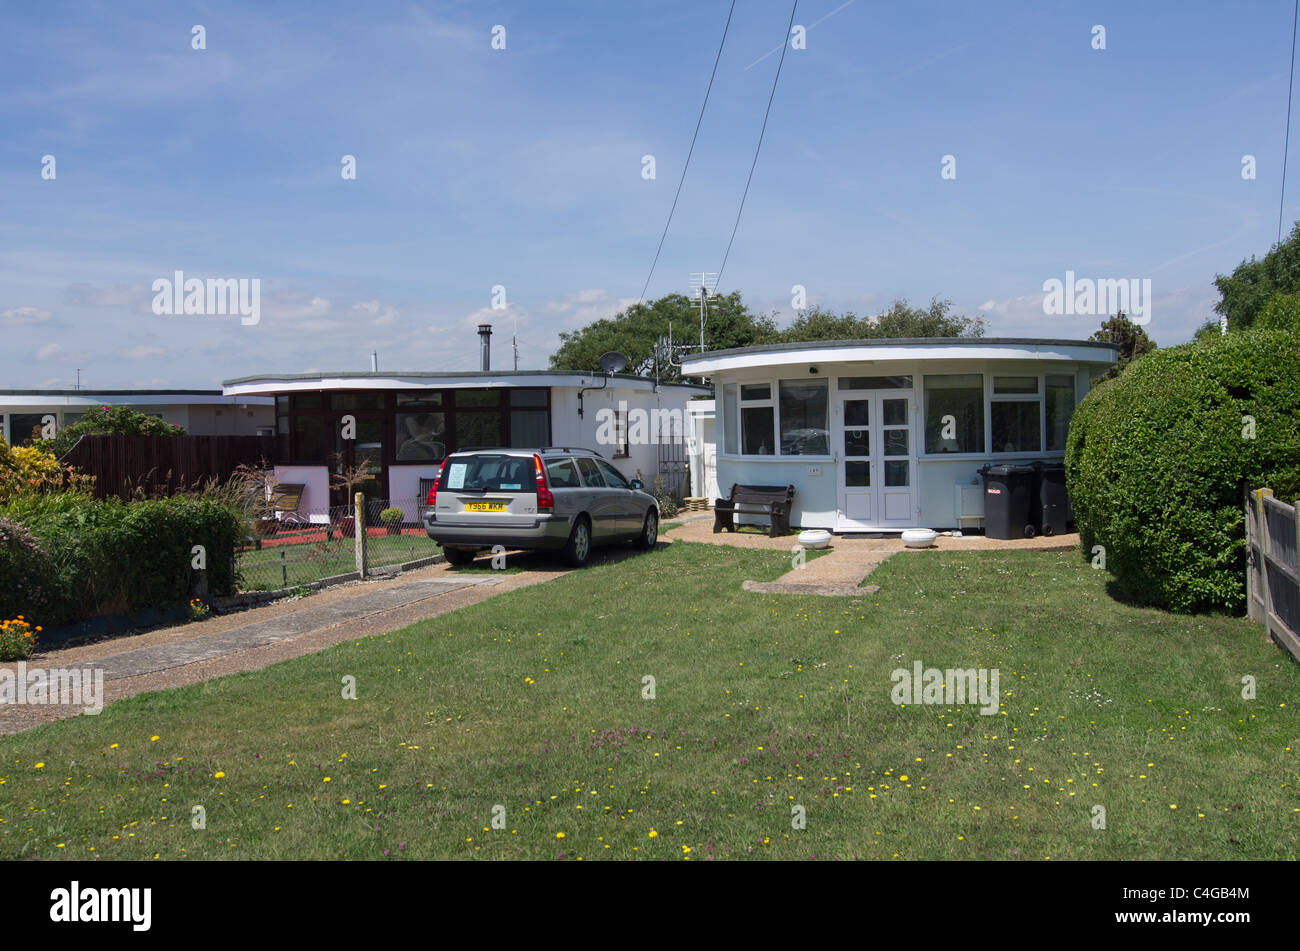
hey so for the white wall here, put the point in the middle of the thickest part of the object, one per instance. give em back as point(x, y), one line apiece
point(404, 487)
point(316, 497)
point(567, 429)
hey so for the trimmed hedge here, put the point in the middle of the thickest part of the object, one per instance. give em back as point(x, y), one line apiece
point(1157, 465)
point(66, 557)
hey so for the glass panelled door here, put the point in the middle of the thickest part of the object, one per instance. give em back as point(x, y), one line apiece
point(877, 461)
point(895, 508)
point(857, 503)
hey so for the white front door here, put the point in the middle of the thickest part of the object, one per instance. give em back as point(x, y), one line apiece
point(876, 461)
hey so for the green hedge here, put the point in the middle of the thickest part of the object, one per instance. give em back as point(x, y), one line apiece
point(1156, 465)
point(65, 557)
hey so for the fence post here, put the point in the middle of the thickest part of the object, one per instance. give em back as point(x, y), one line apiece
point(359, 532)
point(1265, 549)
point(1253, 558)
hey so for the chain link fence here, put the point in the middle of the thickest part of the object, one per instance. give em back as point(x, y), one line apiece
point(306, 546)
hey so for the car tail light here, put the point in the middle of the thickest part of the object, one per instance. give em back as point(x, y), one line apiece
point(545, 500)
point(433, 489)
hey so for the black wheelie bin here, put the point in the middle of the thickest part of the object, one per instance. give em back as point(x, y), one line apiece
point(1011, 506)
point(1051, 495)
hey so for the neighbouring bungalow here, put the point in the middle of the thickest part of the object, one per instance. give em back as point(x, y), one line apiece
point(885, 435)
point(404, 424)
point(27, 414)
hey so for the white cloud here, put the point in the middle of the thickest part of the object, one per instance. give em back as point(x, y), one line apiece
point(381, 315)
point(16, 316)
point(142, 351)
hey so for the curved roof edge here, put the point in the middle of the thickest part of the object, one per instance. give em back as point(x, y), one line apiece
point(904, 348)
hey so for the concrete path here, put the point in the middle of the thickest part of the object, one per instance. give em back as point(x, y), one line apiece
point(186, 654)
point(144, 660)
point(851, 559)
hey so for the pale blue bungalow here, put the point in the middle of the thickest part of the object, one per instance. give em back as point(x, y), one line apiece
point(885, 435)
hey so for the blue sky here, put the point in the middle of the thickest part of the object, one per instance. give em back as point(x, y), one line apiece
point(522, 167)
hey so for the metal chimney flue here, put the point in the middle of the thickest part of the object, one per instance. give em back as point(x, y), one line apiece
point(485, 346)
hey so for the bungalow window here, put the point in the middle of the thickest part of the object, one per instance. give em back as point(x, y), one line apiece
point(530, 417)
point(954, 413)
point(1016, 414)
point(421, 437)
point(730, 420)
point(25, 428)
point(803, 418)
point(1060, 407)
point(757, 420)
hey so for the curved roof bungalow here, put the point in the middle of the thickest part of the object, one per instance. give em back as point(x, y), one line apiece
point(888, 434)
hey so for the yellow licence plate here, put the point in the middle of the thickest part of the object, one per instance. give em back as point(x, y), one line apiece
point(485, 506)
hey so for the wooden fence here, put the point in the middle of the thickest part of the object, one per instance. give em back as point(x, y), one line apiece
point(1272, 568)
point(163, 464)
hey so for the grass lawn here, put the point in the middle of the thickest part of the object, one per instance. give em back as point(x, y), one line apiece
point(532, 702)
point(264, 570)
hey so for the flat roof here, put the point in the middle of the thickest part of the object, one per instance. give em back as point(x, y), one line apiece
point(118, 397)
point(902, 348)
point(415, 380)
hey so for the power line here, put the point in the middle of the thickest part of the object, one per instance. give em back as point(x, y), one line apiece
point(768, 112)
point(1286, 147)
point(682, 180)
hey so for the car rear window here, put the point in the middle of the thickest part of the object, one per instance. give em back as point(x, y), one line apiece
point(490, 474)
point(562, 474)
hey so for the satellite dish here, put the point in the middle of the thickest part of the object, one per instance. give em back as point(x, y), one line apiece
point(613, 361)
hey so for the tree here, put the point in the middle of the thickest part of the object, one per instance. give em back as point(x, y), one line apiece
point(900, 321)
point(1132, 339)
point(635, 332)
point(1247, 290)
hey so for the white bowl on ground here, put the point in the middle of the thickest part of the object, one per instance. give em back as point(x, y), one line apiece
point(815, 538)
point(919, 537)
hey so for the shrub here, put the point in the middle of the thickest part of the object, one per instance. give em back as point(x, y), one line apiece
point(1158, 460)
point(664, 499)
point(115, 420)
point(29, 470)
point(109, 556)
point(392, 516)
point(27, 578)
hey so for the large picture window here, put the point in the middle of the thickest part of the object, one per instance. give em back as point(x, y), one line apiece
point(1016, 414)
point(803, 418)
point(421, 437)
point(416, 427)
point(954, 413)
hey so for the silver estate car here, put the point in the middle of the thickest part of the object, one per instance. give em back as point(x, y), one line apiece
point(564, 500)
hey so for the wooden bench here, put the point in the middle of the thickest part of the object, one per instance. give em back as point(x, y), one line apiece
point(286, 501)
point(774, 501)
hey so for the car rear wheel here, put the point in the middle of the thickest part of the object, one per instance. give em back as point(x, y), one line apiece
point(459, 556)
point(649, 531)
point(578, 548)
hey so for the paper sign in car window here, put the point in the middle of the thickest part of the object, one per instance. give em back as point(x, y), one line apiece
point(456, 475)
